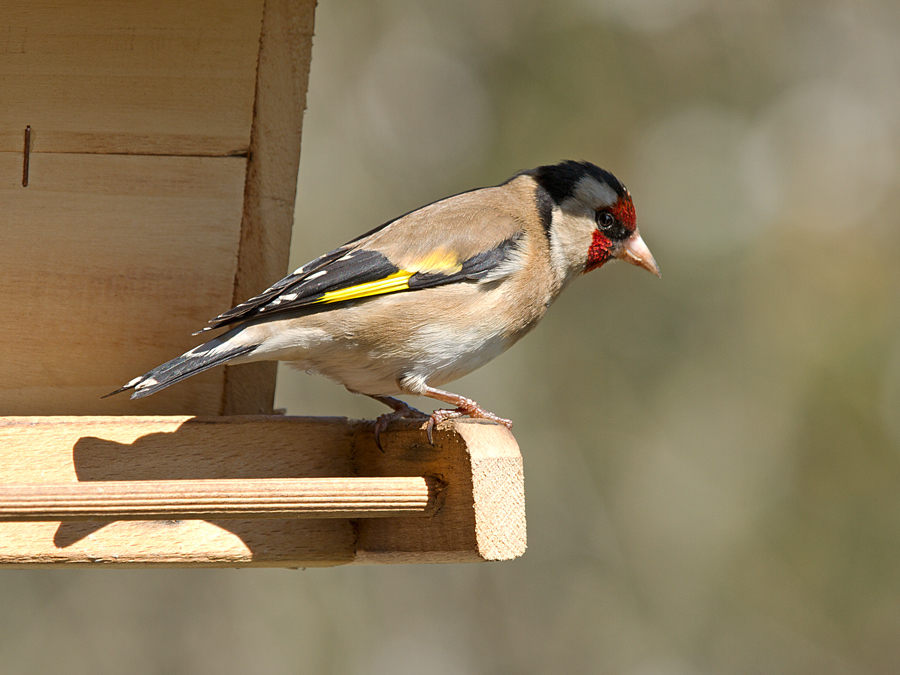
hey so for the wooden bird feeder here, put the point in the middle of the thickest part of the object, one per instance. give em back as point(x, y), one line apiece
point(148, 164)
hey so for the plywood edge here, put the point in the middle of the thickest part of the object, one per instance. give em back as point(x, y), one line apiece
point(271, 187)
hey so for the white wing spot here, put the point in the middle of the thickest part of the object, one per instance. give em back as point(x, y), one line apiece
point(149, 382)
point(318, 274)
point(289, 297)
point(134, 381)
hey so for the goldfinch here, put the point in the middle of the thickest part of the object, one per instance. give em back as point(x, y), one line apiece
point(432, 295)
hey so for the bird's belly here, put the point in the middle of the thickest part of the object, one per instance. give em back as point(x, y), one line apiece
point(430, 357)
point(446, 355)
point(371, 347)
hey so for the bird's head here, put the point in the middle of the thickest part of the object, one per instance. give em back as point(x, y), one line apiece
point(592, 218)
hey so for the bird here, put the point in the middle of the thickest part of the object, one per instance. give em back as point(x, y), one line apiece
point(432, 295)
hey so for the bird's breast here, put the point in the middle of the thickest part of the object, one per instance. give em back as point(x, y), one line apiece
point(428, 337)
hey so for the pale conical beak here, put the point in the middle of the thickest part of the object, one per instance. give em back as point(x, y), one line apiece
point(635, 251)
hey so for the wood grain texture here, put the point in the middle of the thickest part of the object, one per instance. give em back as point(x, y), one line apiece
point(168, 77)
point(347, 497)
point(110, 262)
point(284, 58)
point(126, 238)
point(35, 450)
point(479, 510)
point(482, 516)
point(143, 250)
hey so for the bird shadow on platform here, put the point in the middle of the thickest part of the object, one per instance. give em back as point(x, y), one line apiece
point(214, 449)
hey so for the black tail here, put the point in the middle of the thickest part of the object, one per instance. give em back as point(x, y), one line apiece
point(197, 360)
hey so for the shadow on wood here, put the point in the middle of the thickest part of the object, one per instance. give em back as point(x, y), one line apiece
point(480, 515)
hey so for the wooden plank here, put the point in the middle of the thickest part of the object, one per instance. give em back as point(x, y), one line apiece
point(110, 262)
point(169, 77)
point(36, 450)
point(479, 514)
point(346, 497)
point(482, 516)
point(270, 191)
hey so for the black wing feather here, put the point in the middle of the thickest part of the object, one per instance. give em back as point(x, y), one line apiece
point(349, 266)
point(250, 307)
point(338, 269)
point(475, 268)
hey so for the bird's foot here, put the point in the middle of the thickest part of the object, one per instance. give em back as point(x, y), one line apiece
point(400, 411)
point(474, 411)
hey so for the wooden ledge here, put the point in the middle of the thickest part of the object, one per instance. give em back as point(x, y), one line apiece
point(350, 497)
point(248, 478)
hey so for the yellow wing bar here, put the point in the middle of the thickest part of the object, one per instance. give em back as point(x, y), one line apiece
point(398, 281)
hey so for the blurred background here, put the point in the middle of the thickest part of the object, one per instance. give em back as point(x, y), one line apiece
point(712, 460)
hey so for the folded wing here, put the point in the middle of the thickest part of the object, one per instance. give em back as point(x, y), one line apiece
point(397, 257)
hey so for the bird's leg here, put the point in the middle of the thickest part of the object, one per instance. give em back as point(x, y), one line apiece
point(464, 406)
point(400, 410)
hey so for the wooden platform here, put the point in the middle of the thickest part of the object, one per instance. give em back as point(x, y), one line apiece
point(466, 503)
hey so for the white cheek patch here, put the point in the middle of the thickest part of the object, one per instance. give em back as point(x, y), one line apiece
point(557, 255)
point(570, 238)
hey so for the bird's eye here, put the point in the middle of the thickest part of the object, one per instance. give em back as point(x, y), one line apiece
point(605, 220)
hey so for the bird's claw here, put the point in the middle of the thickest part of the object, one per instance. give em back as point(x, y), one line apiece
point(475, 413)
point(440, 416)
point(381, 424)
